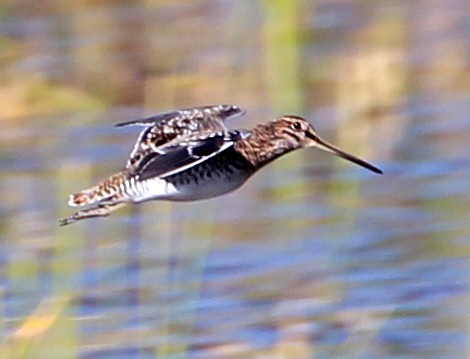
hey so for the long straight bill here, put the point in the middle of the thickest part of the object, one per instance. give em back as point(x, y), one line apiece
point(323, 145)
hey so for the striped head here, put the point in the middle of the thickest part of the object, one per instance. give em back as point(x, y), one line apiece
point(291, 132)
point(285, 134)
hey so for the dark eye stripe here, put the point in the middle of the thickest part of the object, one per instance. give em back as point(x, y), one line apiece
point(292, 133)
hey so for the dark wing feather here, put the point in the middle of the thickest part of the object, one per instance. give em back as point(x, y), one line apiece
point(184, 155)
point(170, 128)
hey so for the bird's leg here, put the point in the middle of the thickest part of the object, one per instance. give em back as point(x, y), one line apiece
point(102, 210)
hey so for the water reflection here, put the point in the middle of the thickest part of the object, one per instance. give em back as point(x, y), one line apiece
point(313, 257)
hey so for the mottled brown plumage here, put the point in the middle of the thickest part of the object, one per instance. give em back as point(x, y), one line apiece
point(103, 190)
point(169, 128)
point(273, 139)
point(189, 154)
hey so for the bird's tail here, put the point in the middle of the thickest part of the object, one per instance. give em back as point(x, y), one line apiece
point(102, 191)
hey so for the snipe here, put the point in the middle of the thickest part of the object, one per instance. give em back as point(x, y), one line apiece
point(189, 154)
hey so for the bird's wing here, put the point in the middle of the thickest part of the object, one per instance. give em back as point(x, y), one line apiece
point(185, 154)
point(168, 129)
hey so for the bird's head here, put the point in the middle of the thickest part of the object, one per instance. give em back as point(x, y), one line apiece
point(297, 132)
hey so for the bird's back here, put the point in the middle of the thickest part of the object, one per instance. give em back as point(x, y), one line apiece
point(170, 143)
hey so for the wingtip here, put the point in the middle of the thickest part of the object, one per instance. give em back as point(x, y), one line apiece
point(121, 124)
point(140, 122)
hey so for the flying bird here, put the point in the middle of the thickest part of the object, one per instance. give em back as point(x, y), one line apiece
point(189, 154)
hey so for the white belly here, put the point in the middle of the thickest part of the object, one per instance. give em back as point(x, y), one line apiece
point(160, 189)
point(155, 188)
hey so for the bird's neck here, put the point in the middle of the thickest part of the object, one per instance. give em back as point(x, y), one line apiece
point(262, 146)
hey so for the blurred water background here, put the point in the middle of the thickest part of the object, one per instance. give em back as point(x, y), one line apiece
point(314, 257)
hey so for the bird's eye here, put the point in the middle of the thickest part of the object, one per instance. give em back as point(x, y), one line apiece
point(296, 126)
